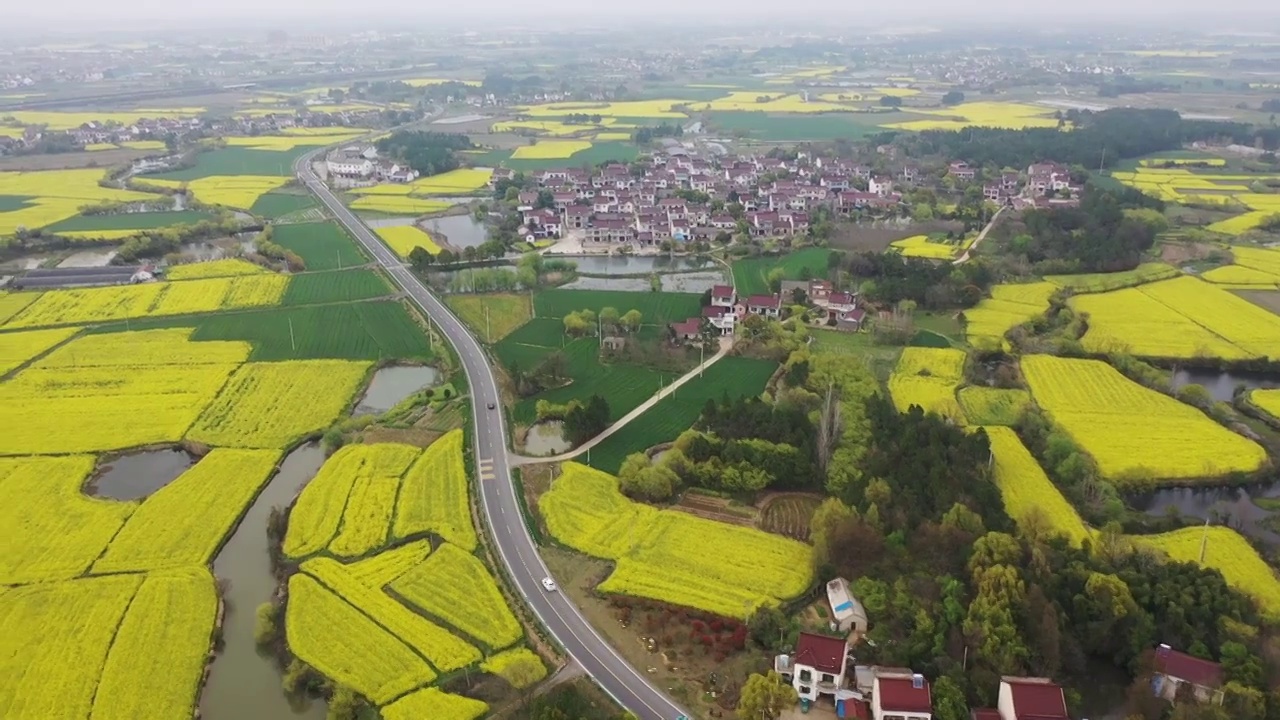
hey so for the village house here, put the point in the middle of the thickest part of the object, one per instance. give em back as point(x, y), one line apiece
point(848, 613)
point(685, 331)
point(817, 667)
point(1043, 177)
point(900, 695)
point(962, 171)
point(723, 296)
point(1176, 670)
point(769, 306)
point(1031, 699)
point(721, 318)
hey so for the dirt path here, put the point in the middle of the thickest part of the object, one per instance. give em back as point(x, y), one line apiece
point(981, 236)
point(725, 344)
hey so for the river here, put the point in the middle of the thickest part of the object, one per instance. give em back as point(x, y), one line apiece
point(244, 685)
point(1222, 383)
point(1232, 506)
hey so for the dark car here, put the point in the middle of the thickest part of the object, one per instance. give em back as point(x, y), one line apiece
point(491, 406)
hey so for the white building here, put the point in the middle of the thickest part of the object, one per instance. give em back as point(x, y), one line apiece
point(845, 608)
point(818, 666)
point(352, 162)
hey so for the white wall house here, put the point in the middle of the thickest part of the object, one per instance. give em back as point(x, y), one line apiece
point(1031, 699)
point(818, 666)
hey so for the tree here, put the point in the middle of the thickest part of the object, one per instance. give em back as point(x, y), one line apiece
point(765, 697)
point(891, 101)
point(948, 700)
point(767, 627)
point(631, 320)
point(954, 97)
point(575, 325)
point(582, 423)
point(609, 317)
point(775, 278)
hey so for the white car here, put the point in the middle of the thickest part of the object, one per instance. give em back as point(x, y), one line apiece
point(548, 584)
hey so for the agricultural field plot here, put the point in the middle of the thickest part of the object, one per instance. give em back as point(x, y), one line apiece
point(57, 637)
point(103, 399)
point(445, 651)
point(382, 330)
point(105, 304)
point(230, 267)
point(1180, 318)
point(1029, 496)
point(235, 161)
point(1227, 552)
point(435, 704)
point(789, 515)
point(170, 346)
point(331, 635)
point(624, 386)
point(279, 204)
point(923, 246)
point(289, 143)
point(50, 196)
point(928, 377)
point(18, 347)
point(397, 205)
point(13, 303)
point(366, 518)
point(61, 120)
point(433, 495)
point(492, 317)
point(322, 245)
point(1265, 260)
point(1138, 437)
point(1233, 277)
point(751, 275)
point(128, 221)
point(656, 308)
point(655, 109)
point(382, 569)
point(318, 513)
point(455, 182)
point(1008, 307)
point(272, 405)
point(548, 149)
point(677, 412)
point(1012, 116)
point(239, 192)
point(992, 406)
point(595, 154)
point(1103, 282)
point(156, 663)
point(521, 667)
point(63, 529)
point(402, 239)
point(335, 286)
point(1213, 185)
point(454, 586)
point(1267, 400)
point(185, 522)
point(736, 570)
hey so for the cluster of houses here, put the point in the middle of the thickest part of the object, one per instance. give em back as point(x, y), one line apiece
point(648, 204)
point(824, 669)
point(91, 133)
point(361, 166)
point(727, 308)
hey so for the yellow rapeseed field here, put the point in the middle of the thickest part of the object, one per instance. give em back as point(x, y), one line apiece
point(455, 586)
point(170, 346)
point(435, 704)
point(186, 521)
point(95, 305)
point(553, 128)
point(286, 143)
point(634, 108)
point(404, 238)
point(63, 530)
point(272, 405)
point(18, 347)
point(56, 195)
point(550, 149)
point(1008, 307)
point(1013, 116)
point(433, 495)
point(59, 120)
point(775, 102)
point(1237, 276)
point(393, 205)
point(13, 303)
point(229, 267)
point(992, 406)
point(232, 191)
point(1268, 400)
point(454, 182)
point(1029, 496)
point(1137, 436)
point(928, 377)
point(1266, 260)
point(521, 667)
point(143, 145)
point(736, 571)
point(1227, 552)
point(922, 246)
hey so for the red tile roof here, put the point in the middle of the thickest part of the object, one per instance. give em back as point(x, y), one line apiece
point(826, 654)
point(1186, 667)
point(714, 311)
point(859, 709)
point(1037, 699)
point(770, 301)
point(898, 694)
point(688, 327)
point(984, 714)
point(722, 291)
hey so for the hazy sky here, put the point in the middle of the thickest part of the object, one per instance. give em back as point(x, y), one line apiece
point(145, 14)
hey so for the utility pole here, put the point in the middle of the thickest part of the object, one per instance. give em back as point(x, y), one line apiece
point(1204, 540)
point(488, 336)
point(292, 343)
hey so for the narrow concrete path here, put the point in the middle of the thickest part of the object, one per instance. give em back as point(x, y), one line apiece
point(981, 236)
point(726, 343)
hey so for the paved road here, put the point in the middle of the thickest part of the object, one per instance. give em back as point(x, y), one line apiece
point(497, 492)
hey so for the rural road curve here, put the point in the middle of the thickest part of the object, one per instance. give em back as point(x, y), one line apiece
point(724, 350)
point(498, 498)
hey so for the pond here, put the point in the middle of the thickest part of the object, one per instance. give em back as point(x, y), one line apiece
point(546, 438)
point(633, 265)
point(1222, 383)
point(640, 284)
point(461, 231)
point(242, 684)
point(202, 250)
point(134, 476)
point(1232, 506)
point(390, 385)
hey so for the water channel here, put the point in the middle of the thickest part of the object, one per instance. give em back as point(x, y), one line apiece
point(134, 476)
point(242, 684)
point(390, 385)
point(1222, 383)
point(637, 265)
point(462, 231)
